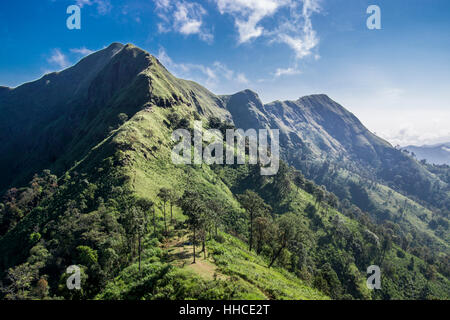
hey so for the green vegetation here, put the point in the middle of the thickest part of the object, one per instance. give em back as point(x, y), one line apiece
point(140, 227)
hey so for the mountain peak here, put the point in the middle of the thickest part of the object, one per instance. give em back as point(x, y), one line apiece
point(321, 97)
point(249, 96)
point(115, 45)
point(247, 92)
point(323, 103)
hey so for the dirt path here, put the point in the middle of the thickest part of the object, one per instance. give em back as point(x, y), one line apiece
point(180, 252)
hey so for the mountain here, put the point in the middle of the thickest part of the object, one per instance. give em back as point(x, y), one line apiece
point(114, 204)
point(51, 122)
point(333, 148)
point(437, 153)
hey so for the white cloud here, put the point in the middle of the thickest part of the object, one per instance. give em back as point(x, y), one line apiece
point(162, 4)
point(82, 51)
point(227, 73)
point(184, 21)
point(162, 28)
point(302, 46)
point(59, 59)
point(183, 17)
point(211, 76)
point(297, 32)
point(287, 72)
point(198, 72)
point(292, 27)
point(103, 6)
point(410, 134)
point(164, 58)
point(241, 78)
point(249, 13)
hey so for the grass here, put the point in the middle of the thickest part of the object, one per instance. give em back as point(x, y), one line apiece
point(147, 174)
point(233, 259)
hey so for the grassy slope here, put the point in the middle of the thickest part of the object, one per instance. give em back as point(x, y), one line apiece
point(313, 119)
point(414, 216)
point(233, 259)
point(145, 146)
point(150, 169)
point(148, 173)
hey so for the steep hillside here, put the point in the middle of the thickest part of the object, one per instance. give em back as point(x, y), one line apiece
point(50, 123)
point(331, 146)
point(129, 218)
point(315, 128)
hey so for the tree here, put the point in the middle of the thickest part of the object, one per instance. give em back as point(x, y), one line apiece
point(173, 198)
point(254, 205)
point(42, 288)
point(386, 245)
point(320, 195)
point(164, 195)
point(20, 279)
point(332, 200)
point(311, 210)
point(216, 210)
point(262, 231)
point(138, 226)
point(144, 206)
point(299, 180)
point(309, 187)
point(281, 182)
point(285, 232)
point(122, 118)
point(193, 206)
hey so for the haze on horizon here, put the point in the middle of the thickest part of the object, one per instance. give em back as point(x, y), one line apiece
point(395, 80)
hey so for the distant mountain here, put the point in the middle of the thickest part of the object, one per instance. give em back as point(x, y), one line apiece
point(323, 139)
point(437, 153)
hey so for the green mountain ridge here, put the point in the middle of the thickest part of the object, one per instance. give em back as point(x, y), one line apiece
point(109, 143)
point(333, 148)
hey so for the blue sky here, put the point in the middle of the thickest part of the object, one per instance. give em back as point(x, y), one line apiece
point(396, 80)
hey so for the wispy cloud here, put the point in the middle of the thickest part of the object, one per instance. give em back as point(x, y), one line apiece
point(182, 17)
point(287, 71)
point(211, 76)
point(83, 51)
point(409, 134)
point(297, 31)
point(293, 28)
point(248, 14)
point(103, 6)
point(241, 78)
point(59, 59)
